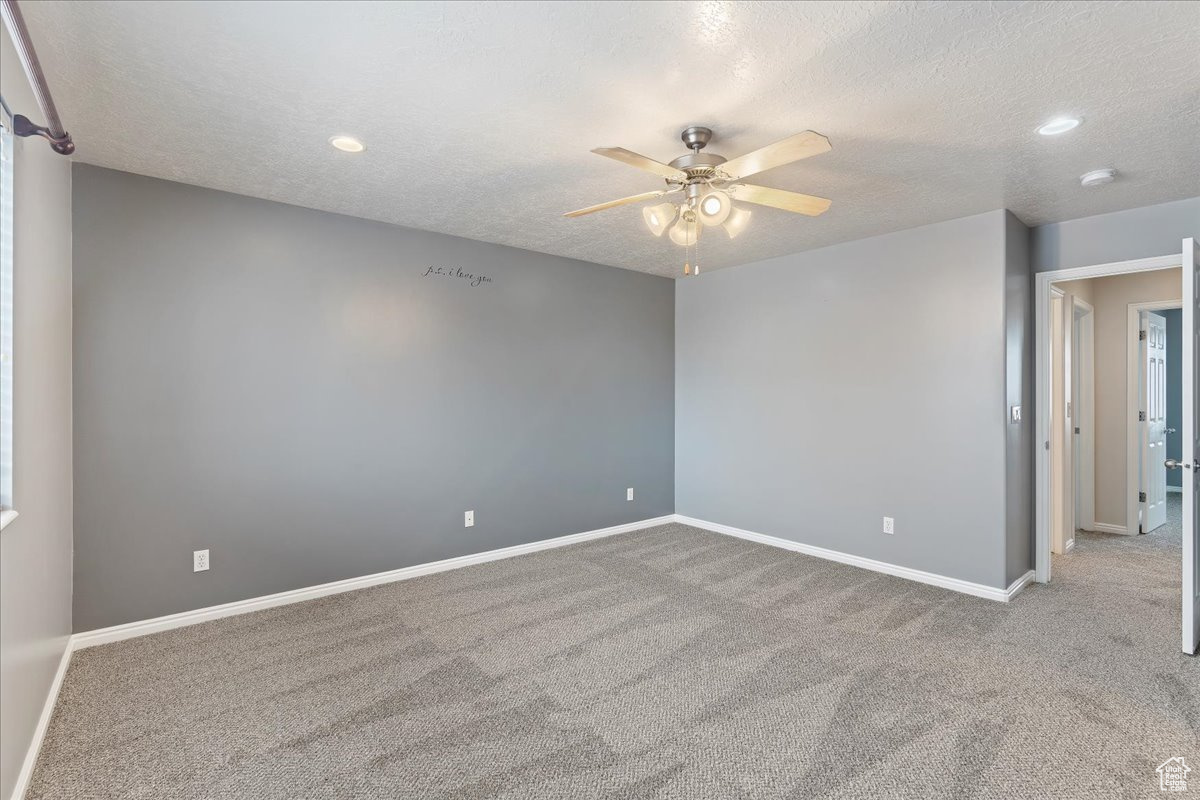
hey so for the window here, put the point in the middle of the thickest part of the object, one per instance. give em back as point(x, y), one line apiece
point(6, 320)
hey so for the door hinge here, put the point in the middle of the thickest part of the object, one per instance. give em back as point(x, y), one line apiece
point(1141, 497)
point(1141, 416)
point(1141, 336)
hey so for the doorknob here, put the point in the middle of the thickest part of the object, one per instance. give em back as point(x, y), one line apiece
point(1170, 430)
point(1171, 463)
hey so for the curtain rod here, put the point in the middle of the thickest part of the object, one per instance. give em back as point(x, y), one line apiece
point(53, 132)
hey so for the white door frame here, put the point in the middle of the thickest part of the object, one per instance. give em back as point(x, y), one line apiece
point(1133, 400)
point(1058, 438)
point(1041, 294)
point(1084, 412)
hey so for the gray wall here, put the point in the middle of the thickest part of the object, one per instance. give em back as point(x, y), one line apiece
point(1018, 441)
point(1120, 236)
point(1174, 391)
point(284, 387)
point(35, 548)
point(818, 392)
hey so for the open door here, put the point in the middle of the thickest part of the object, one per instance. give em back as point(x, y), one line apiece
point(1191, 447)
point(1152, 419)
point(1067, 476)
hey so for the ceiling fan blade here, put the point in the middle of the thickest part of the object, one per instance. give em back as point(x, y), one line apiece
point(641, 162)
point(778, 198)
point(785, 151)
point(637, 198)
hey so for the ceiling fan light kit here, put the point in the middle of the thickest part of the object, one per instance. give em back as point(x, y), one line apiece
point(714, 208)
point(739, 218)
point(686, 231)
point(659, 217)
point(709, 183)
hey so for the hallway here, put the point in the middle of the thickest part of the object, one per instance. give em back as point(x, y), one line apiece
point(1147, 566)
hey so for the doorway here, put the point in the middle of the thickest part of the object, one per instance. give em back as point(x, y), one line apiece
point(1071, 443)
point(1063, 406)
point(1151, 354)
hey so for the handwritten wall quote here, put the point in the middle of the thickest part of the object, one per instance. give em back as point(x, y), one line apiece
point(456, 273)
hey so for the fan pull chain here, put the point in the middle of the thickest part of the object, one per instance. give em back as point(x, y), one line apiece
point(687, 251)
point(696, 266)
point(691, 252)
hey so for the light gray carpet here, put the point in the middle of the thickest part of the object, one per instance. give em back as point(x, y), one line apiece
point(667, 663)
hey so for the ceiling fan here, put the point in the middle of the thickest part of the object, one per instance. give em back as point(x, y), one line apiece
point(710, 183)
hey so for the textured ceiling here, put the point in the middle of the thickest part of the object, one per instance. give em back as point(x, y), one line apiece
point(478, 117)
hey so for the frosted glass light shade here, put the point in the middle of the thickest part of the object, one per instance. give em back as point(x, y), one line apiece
point(659, 217)
point(685, 232)
point(714, 208)
point(738, 219)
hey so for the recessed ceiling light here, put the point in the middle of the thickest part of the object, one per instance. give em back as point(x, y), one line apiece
point(347, 144)
point(1059, 125)
point(1097, 177)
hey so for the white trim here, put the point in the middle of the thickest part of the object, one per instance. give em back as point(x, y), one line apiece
point(920, 576)
point(130, 630)
point(1079, 302)
point(1104, 527)
point(7, 516)
point(43, 723)
point(1133, 404)
point(1016, 586)
point(1176, 489)
point(1041, 322)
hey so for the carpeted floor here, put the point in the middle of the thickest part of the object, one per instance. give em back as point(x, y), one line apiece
point(667, 663)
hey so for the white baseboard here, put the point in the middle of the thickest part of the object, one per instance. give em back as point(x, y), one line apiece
point(1104, 527)
point(116, 633)
point(39, 732)
point(931, 578)
point(1176, 489)
point(1016, 586)
point(130, 630)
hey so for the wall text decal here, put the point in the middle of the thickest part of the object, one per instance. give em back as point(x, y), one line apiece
point(457, 273)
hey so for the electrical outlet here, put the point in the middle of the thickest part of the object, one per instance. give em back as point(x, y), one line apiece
point(629, 493)
point(889, 525)
point(469, 519)
point(199, 560)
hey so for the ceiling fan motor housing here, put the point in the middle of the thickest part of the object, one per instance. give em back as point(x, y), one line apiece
point(700, 169)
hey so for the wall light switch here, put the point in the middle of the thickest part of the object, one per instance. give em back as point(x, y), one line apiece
point(199, 560)
point(629, 493)
point(889, 525)
point(1014, 415)
point(469, 519)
